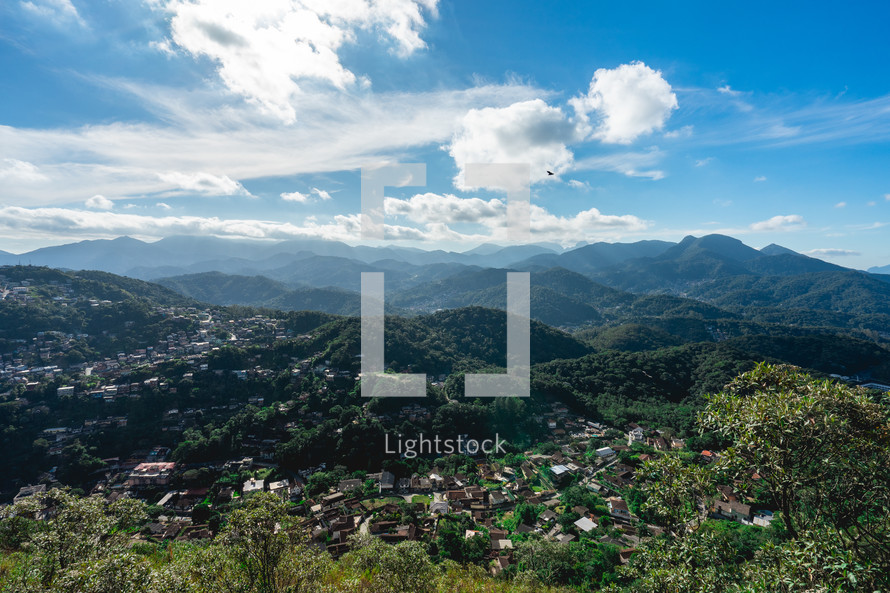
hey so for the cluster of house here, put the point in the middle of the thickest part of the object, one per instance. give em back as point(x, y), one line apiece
point(22, 364)
point(353, 506)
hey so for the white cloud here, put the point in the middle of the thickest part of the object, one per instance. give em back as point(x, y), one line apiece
point(684, 132)
point(526, 132)
point(840, 205)
point(15, 170)
point(585, 225)
point(265, 51)
point(759, 178)
point(295, 196)
point(790, 222)
point(783, 120)
point(57, 12)
point(71, 224)
point(871, 203)
point(832, 253)
point(436, 212)
point(631, 164)
point(578, 184)
point(704, 161)
point(867, 227)
point(303, 198)
point(163, 206)
point(322, 194)
point(99, 202)
point(432, 208)
point(199, 134)
point(887, 197)
point(204, 183)
point(727, 90)
point(736, 98)
point(628, 101)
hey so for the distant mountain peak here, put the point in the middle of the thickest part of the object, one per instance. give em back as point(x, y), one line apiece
point(773, 249)
point(722, 245)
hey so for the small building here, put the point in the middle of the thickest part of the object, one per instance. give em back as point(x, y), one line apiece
point(387, 481)
point(763, 518)
point(28, 491)
point(151, 475)
point(253, 485)
point(281, 488)
point(585, 524)
point(618, 508)
point(734, 510)
point(351, 484)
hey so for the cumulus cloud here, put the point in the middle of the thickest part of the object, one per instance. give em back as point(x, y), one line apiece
point(832, 253)
point(196, 133)
point(436, 212)
point(57, 12)
point(587, 224)
point(525, 132)
point(16, 170)
point(99, 202)
point(295, 196)
point(788, 222)
point(432, 208)
point(577, 184)
point(625, 102)
point(204, 183)
point(163, 206)
point(265, 51)
point(303, 198)
point(840, 205)
point(426, 218)
point(65, 222)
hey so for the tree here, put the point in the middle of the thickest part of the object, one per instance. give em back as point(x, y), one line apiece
point(258, 537)
point(696, 563)
point(551, 562)
point(822, 453)
point(201, 514)
point(403, 568)
point(818, 562)
point(80, 532)
point(676, 493)
point(822, 450)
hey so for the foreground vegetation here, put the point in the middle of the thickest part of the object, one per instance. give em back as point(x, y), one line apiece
point(816, 451)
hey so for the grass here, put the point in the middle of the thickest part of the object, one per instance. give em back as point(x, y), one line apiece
point(376, 503)
point(421, 498)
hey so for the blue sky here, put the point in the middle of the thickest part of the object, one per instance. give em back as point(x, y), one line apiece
point(163, 117)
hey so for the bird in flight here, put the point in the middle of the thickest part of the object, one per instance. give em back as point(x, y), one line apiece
point(549, 172)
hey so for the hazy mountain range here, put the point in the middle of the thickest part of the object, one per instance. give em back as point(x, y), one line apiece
point(297, 262)
point(711, 277)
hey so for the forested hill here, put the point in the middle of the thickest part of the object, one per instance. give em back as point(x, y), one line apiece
point(645, 357)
